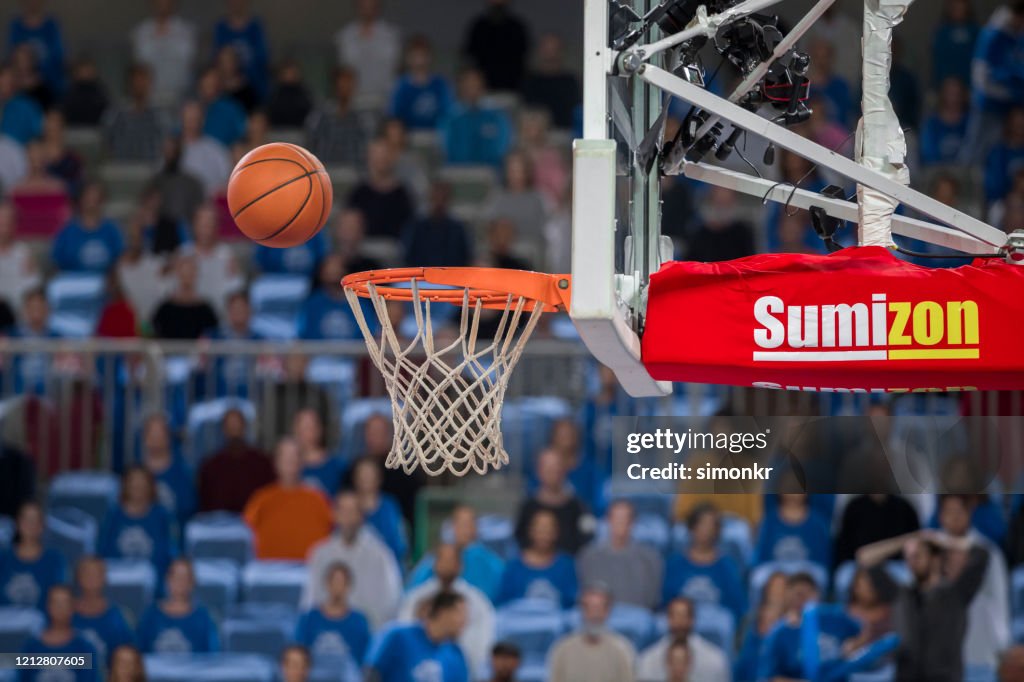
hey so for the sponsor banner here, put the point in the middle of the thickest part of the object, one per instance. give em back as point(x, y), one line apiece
point(858, 320)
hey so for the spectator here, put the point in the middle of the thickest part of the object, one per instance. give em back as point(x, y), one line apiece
point(497, 42)
point(233, 80)
point(35, 27)
point(988, 616)
point(871, 607)
point(233, 372)
point(38, 181)
point(426, 647)
point(630, 570)
point(1006, 157)
point(289, 103)
point(931, 613)
point(838, 28)
point(28, 569)
point(518, 199)
point(30, 81)
point(126, 665)
point(594, 654)
point(505, 660)
point(21, 118)
point(229, 477)
point(13, 163)
point(203, 156)
point(764, 619)
point(32, 369)
point(782, 652)
point(379, 509)
point(17, 483)
point(870, 518)
point(142, 274)
point(61, 161)
point(477, 638)
point(219, 274)
point(575, 524)
point(410, 167)
point(89, 242)
point(295, 663)
point(381, 197)
point(997, 212)
point(373, 48)
point(19, 271)
point(438, 239)
point(347, 240)
point(723, 234)
point(117, 318)
point(702, 573)
point(59, 638)
point(303, 259)
point(547, 163)
point(135, 130)
point(319, 470)
point(287, 517)
point(1011, 664)
point(550, 86)
point(138, 527)
point(422, 97)
point(945, 130)
point(181, 192)
point(175, 484)
point(997, 81)
point(953, 44)
point(86, 99)
point(338, 132)
point(333, 630)
point(377, 440)
point(243, 31)
point(99, 622)
point(1013, 213)
point(224, 118)
point(475, 133)
point(826, 131)
point(293, 392)
point(904, 90)
point(540, 571)
point(178, 625)
point(185, 314)
point(501, 239)
point(167, 44)
point(326, 315)
point(481, 567)
point(828, 83)
point(792, 532)
point(376, 578)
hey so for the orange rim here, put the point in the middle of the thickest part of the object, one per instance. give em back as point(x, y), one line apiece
point(490, 286)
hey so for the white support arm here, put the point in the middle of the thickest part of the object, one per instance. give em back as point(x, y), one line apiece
point(704, 25)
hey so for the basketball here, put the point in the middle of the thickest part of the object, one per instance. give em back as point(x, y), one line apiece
point(279, 195)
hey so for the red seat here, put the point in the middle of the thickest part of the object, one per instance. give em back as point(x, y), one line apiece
point(226, 228)
point(40, 215)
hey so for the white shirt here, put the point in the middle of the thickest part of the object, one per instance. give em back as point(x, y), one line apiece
point(709, 663)
point(209, 162)
point(477, 637)
point(13, 164)
point(218, 275)
point(169, 53)
point(145, 284)
point(374, 56)
point(988, 618)
point(18, 273)
point(376, 580)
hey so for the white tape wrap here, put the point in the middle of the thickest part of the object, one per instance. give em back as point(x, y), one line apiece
point(880, 143)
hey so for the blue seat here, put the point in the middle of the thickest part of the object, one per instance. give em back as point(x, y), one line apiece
point(334, 669)
point(526, 426)
point(91, 491)
point(496, 532)
point(1017, 590)
point(203, 425)
point(336, 375)
point(131, 584)
point(531, 625)
point(885, 674)
point(979, 673)
point(71, 531)
point(717, 625)
point(6, 531)
point(273, 582)
point(267, 636)
point(276, 301)
point(17, 624)
point(760, 574)
point(219, 535)
point(533, 671)
point(635, 623)
point(353, 417)
point(217, 584)
point(222, 667)
point(76, 300)
point(737, 540)
point(1017, 628)
point(645, 497)
point(648, 529)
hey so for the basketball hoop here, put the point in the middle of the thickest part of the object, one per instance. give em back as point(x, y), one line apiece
point(447, 396)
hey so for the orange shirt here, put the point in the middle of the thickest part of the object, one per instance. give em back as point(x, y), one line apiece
point(287, 522)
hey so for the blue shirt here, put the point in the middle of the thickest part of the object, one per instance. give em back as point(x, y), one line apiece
point(405, 654)
point(477, 136)
point(325, 477)
point(421, 106)
point(824, 629)
point(781, 654)
point(250, 43)
point(1000, 55)
point(556, 582)
point(324, 317)
point(76, 645)
point(27, 583)
point(837, 92)
point(386, 519)
point(194, 633)
point(952, 51)
point(148, 537)
point(233, 372)
point(21, 119)
point(481, 568)
point(296, 260)
point(716, 583)
point(47, 45)
point(176, 489)
point(942, 142)
point(225, 121)
point(31, 370)
point(104, 632)
point(781, 541)
point(77, 249)
point(334, 638)
point(1002, 164)
point(745, 667)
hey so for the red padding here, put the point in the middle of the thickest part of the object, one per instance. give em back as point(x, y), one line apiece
point(859, 319)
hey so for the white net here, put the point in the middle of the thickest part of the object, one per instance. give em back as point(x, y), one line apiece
point(447, 394)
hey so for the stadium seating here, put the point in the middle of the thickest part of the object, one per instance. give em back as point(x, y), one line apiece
point(131, 584)
point(258, 629)
point(6, 531)
point(1017, 589)
point(648, 529)
point(76, 300)
point(219, 535)
point(17, 625)
point(331, 669)
point(526, 426)
point(40, 216)
point(717, 625)
point(532, 625)
point(224, 667)
point(736, 540)
point(496, 532)
point(203, 434)
point(125, 179)
point(470, 184)
point(343, 180)
point(273, 582)
point(635, 623)
point(217, 584)
point(90, 491)
point(276, 300)
point(72, 531)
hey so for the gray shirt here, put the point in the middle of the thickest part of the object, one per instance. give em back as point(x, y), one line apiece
point(632, 574)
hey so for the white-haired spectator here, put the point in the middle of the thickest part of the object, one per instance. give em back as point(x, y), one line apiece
point(166, 43)
point(373, 48)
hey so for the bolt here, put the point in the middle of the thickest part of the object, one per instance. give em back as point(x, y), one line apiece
point(563, 283)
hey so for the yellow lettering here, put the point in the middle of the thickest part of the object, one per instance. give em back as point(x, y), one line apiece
point(897, 335)
point(962, 318)
point(929, 323)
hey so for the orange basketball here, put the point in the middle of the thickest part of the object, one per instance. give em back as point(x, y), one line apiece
point(279, 195)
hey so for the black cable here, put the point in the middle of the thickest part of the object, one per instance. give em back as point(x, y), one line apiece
point(740, 152)
point(945, 256)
